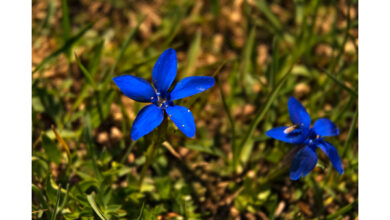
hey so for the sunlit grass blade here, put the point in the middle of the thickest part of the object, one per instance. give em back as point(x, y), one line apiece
point(91, 200)
point(259, 116)
point(246, 58)
point(342, 84)
point(192, 55)
point(62, 142)
point(62, 49)
point(54, 214)
point(65, 200)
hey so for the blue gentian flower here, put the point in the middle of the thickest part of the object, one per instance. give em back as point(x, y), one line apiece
point(300, 133)
point(151, 116)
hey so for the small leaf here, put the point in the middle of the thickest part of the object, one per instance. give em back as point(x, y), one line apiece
point(51, 150)
point(94, 206)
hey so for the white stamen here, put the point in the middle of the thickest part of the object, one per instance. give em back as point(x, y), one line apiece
point(289, 129)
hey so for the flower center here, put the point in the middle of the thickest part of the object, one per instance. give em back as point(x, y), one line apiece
point(163, 100)
point(313, 138)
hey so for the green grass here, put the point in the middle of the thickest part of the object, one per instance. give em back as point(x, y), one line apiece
point(260, 52)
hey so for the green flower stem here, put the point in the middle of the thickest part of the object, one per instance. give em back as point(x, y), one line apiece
point(150, 154)
point(274, 173)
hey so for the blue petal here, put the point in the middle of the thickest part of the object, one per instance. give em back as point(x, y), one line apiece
point(147, 119)
point(191, 85)
point(331, 152)
point(304, 162)
point(325, 127)
point(298, 113)
point(135, 88)
point(295, 137)
point(183, 119)
point(164, 70)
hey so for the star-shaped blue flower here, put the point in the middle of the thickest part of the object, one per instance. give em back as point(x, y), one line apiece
point(151, 116)
point(300, 133)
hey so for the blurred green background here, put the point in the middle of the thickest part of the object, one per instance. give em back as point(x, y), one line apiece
point(84, 164)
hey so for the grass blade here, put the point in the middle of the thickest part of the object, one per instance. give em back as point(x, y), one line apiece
point(230, 117)
point(62, 49)
point(54, 214)
point(61, 140)
point(263, 6)
point(96, 57)
point(141, 211)
point(86, 73)
point(66, 25)
point(65, 200)
point(340, 83)
point(125, 44)
point(274, 64)
point(259, 116)
point(140, 64)
point(91, 148)
point(128, 150)
point(94, 206)
point(42, 199)
point(245, 65)
point(350, 134)
point(49, 14)
point(209, 150)
point(193, 54)
point(343, 210)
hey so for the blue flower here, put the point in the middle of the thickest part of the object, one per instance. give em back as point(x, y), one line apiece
point(300, 133)
point(151, 116)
